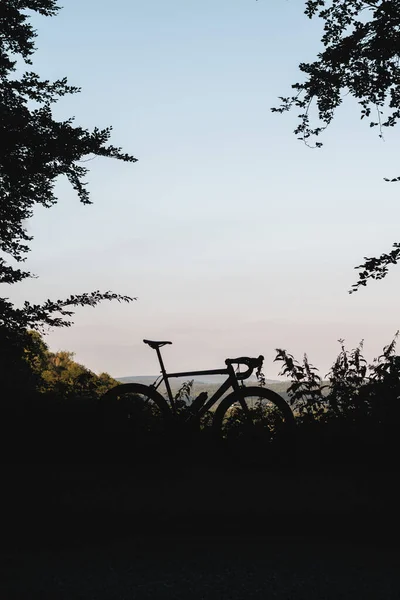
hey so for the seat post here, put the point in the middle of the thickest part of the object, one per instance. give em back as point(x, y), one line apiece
point(164, 374)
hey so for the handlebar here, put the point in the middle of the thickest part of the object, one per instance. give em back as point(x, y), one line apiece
point(251, 363)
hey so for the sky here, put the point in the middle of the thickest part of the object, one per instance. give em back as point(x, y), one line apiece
point(234, 236)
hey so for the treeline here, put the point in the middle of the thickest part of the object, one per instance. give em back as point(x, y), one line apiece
point(48, 401)
point(31, 370)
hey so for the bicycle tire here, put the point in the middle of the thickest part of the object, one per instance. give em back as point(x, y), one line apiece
point(134, 408)
point(282, 413)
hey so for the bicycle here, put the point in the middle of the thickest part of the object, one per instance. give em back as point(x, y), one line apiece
point(135, 406)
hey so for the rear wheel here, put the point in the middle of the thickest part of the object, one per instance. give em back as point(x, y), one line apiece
point(133, 408)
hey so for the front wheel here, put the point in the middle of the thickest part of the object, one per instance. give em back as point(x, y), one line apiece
point(254, 414)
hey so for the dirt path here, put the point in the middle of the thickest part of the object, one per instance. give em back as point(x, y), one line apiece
point(110, 534)
point(205, 568)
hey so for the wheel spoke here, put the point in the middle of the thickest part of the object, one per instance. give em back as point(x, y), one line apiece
point(246, 410)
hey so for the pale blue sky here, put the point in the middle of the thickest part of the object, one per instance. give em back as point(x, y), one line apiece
point(235, 237)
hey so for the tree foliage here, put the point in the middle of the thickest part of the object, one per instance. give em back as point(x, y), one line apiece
point(31, 371)
point(360, 58)
point(59, 375)
point(353, 391)
point(35, 150)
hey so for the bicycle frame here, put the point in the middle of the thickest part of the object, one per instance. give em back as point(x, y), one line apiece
point(231, 381)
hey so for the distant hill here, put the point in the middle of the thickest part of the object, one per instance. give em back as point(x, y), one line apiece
point(205, 383)
point(209, 384)
point(213, 379)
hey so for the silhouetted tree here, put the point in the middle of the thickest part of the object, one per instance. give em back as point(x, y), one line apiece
point(35, 150)
point(59, 374)
point(360, 57)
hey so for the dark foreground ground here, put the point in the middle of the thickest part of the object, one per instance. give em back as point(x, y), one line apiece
point(205, 567)
point(204, 531)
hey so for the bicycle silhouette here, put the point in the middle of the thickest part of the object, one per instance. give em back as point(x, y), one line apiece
point(135, 406)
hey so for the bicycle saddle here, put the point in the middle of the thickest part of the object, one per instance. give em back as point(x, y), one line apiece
point(155, 345)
